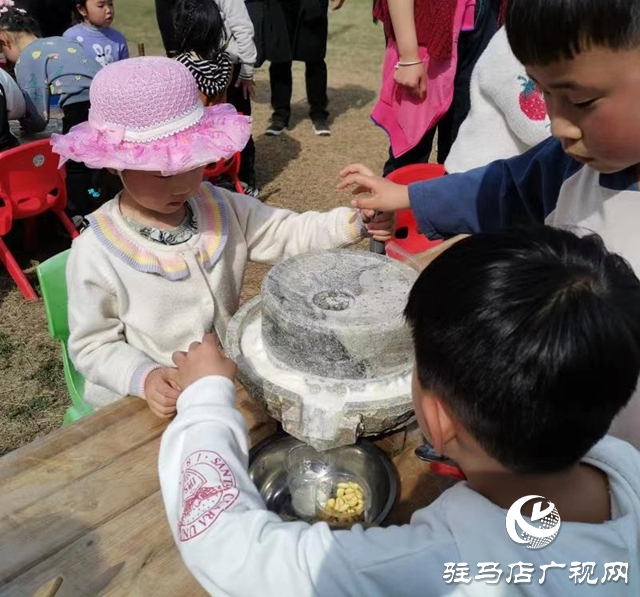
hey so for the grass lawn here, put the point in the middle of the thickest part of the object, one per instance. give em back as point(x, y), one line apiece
point(297, 171)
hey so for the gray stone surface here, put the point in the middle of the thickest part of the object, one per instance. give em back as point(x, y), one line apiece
point(333, 320)
point(338, 314)
point(311, 421)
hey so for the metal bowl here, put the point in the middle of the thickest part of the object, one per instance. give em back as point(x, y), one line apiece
point(363, 460)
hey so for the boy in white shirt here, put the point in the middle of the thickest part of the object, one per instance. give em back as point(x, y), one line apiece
point(524, 355)
point(585, 177)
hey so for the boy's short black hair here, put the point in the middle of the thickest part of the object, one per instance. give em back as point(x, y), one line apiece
point(544, 31)
point(531, 338)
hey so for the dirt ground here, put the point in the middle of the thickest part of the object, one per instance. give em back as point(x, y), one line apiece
point(296, 171)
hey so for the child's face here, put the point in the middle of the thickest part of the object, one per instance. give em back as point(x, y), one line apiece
point(98, 12)
point(162, 194)
point(593, 102)
point(9, 47)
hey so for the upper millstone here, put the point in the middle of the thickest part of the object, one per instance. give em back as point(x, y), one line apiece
point(338, 314)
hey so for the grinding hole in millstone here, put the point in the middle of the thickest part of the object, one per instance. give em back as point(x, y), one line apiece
point(333, 300)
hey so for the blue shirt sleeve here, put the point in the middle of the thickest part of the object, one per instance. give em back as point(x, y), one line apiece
point(517, 191)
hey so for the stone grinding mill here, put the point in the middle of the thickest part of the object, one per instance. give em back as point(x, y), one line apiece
point(325, 347)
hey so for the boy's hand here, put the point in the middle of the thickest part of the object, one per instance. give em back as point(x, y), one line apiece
point(380, 225)
point(385, 196)
point(203, 359)
point(162, 390)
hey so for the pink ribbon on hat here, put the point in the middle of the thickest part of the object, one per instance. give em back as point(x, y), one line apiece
point(113, 133)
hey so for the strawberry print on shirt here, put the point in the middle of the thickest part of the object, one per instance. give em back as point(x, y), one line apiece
point(531, 100)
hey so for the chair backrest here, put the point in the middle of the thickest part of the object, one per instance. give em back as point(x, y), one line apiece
point(407, 235)
point(230, 167)
point(30, 179)
point(416, 173)
point(53, 287)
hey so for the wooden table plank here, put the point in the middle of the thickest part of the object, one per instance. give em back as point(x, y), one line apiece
point(110, 559)
point(34, 533)
point(34, 471)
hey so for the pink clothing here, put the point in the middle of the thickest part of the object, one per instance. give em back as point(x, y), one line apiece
point(405, 118)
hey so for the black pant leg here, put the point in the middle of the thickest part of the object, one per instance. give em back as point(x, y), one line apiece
point(281, 82)
point(164, 16)
point(243, 104)
point(470, 47)
point(416, 155)
point(79, 178)
point(316, 84)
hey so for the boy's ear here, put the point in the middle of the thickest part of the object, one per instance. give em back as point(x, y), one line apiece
point(438, 420)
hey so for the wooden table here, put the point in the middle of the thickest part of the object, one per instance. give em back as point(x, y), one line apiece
point(81, 512)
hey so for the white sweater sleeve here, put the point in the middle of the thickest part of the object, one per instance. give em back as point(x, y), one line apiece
point(15, 100)
point(275, 234)
point(239, 27)
point(234, 547)
point(97, 343)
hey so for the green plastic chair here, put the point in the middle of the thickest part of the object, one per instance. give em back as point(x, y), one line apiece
point(53, 287)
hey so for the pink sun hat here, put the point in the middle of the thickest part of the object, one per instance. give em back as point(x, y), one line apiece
point(146, 114)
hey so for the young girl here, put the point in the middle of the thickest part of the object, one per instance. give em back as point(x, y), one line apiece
point(200, 39)
point(163, 261)
point(242, 51)
point(50, 66)
point(94, 33)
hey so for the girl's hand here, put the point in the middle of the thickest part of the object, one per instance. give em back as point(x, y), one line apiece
point(380, 225)
point(336, 4)
point(162, 390)
point(203, 359)
point(248, 87)
point(385, 196)
point(414, 78)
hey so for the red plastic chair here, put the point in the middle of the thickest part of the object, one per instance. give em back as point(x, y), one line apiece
point(30, 184)
point(230, 168)
point(407, 235)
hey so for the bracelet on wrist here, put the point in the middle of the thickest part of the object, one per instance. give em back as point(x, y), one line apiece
point(412, 63)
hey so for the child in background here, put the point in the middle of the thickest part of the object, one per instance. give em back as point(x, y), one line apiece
point(93, 31)
point(506, 107)
point(587, 176)
point(524, 355)
point(200, 38)
point(242, 51)
point(164, 260)
point(12, 107)
point(51, 66)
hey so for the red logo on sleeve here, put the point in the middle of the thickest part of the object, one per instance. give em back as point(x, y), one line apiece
point(208, 489)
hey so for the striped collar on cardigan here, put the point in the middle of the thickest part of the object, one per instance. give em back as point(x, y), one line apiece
point(167, 261)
